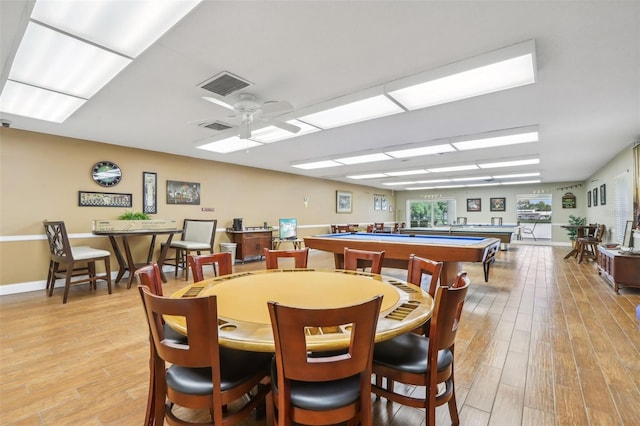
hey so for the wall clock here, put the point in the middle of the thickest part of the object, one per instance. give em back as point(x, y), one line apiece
point(106, 173)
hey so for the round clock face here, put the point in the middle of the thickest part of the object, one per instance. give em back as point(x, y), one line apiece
point(106, 173)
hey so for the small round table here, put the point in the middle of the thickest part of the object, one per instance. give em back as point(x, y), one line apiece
point(243, 316)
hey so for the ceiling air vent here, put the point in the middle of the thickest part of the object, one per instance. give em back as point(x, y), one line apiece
point(225, 83)
point(216, 125)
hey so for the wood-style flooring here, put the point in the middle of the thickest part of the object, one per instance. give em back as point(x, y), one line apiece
point(545, 342)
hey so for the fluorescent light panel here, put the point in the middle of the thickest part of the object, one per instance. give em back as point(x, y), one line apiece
point(54, 61)
point(407, 172)
point(522, 182)
point(228, 145)
point(509, 163)
point(128, 27)
point(29, 101)
point(453, 168)
point(425, 150)
point(367, 158)
point(317, 165)
point(497, 141)
point(464, 179)
point(369, 176)
point(274, 134)
point(354, 112)
point(517, 175)
point(501, 75)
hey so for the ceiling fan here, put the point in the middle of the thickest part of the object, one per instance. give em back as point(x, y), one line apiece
point(248, 110)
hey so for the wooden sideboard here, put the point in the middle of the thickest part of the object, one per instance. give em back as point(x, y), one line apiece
point(622, 270)
point(251, 243)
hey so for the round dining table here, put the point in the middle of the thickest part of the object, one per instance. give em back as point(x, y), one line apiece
point(243, 315)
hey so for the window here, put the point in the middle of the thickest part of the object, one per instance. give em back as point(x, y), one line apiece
point(423, 213)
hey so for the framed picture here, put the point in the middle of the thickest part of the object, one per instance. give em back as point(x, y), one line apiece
point(344, 200)
point(183, 192)
point(595, 197)
point(497, 204)
point(383, 203)
point(588, 198)
point(603, 194)
point(474, 204)
point(376, 202)
point(568, 201)
point(103, 199)
point(149, 193)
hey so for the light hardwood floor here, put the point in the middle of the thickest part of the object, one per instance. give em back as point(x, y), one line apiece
point(545, 342)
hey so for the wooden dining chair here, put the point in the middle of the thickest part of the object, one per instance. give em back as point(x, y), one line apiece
point(378, 227)
point(202, 375)
point(149, 276)
point(272, 257)
point(198, 235)
point(322, 390)
point(222, 261)
point(425, 273)
point(354, 259)
point(69, 262)
point(410, 358)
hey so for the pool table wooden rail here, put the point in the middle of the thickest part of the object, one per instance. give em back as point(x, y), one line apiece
point(397, 253)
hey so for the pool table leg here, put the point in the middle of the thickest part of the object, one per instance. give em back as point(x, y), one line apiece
point(449, 272)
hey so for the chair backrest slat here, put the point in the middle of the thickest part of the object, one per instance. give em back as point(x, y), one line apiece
point(200, 230)
point(197, 263)
point(420, 267)
point(300, 257)
point(354, 259)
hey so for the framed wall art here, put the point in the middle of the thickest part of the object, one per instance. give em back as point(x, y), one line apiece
point(149, 193)
point(474, 204)
point(344, 200)
point(588, 198)
point(376, 202)
point(497, 204)
point(568, 201)
point(104, 199)
point(183, 192)
point(603, 194)
point(383, 203)
point(595, 197)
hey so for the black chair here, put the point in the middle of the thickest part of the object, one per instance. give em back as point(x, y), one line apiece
point(72, 262)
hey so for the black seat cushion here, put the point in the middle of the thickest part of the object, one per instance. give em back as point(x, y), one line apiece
point(173, 336)
point(235, 367)
point(408, 352)
point(320, 396)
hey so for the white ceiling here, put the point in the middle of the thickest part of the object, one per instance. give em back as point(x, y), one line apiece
point(586, 100)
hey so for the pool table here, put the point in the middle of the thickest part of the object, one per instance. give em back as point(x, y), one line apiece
point(451, 250)
point(502, 232)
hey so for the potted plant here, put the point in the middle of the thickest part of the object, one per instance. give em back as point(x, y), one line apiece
point(575, 220)
point(127, 215)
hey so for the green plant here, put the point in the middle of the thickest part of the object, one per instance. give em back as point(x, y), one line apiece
point(134, 216)
point(575, 220)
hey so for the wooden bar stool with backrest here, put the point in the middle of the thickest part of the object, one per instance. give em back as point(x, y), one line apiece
point(72, 262)
point(198, 236)
point(223, 262)
point(410, 358)
point(322, 390)
point(589, 232)
point(354, 259)
point(588, 246)
point(202, 375)
point(272, 257)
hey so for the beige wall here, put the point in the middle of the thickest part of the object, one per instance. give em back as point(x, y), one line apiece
point(40, 176)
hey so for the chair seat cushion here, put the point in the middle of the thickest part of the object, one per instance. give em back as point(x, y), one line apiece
point(320, 396)
point(235, 367)
point(408, 352)
point(86, 252)
point(173, 336)
point(190, 245)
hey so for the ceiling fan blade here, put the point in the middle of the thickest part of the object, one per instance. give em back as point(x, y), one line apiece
point(276, 107)
point(284, 126)
point(219, 103)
